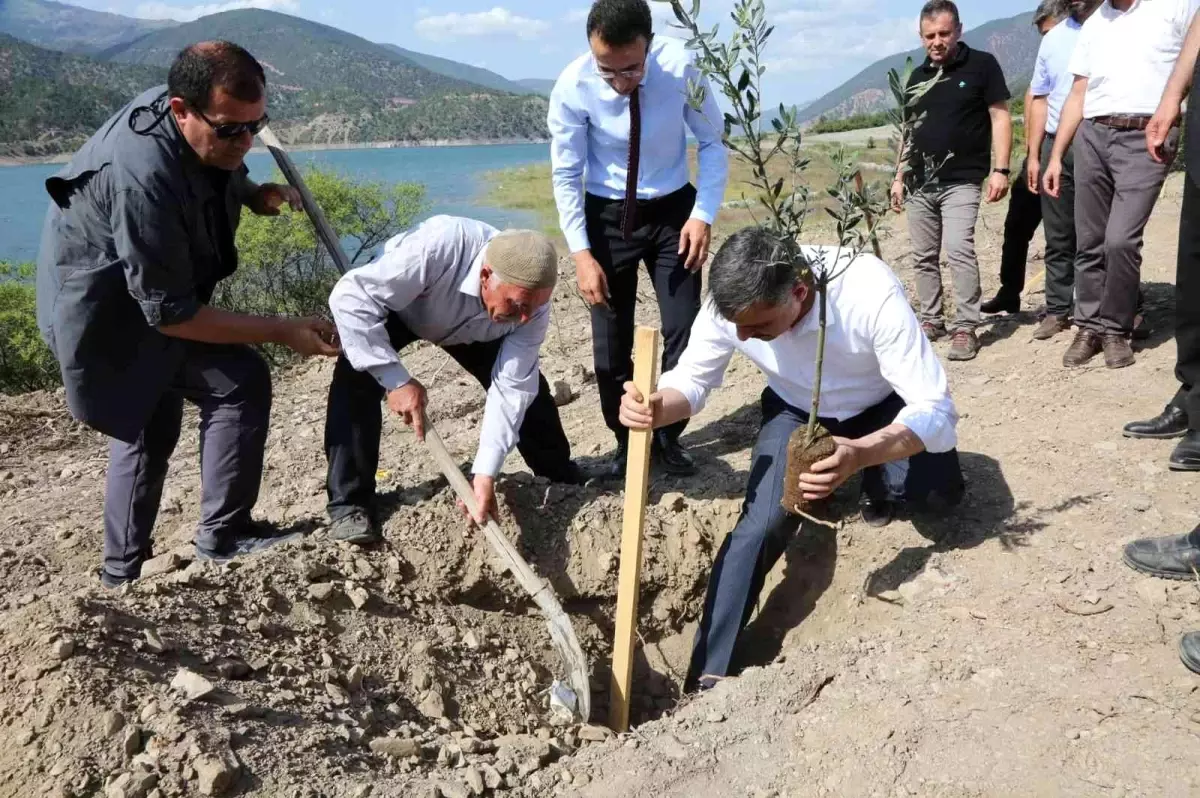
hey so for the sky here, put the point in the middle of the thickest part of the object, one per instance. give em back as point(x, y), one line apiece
point(817, 44)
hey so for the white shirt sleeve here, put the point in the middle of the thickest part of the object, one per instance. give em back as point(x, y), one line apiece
point(708, 126)
point(362, 298)
point(1042, 83)
point(701, 368)
point(1080, 63)
point(514, 386)
point(908, 363)
point(568, 158)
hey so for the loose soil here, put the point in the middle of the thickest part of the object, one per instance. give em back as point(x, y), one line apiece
point(1001, 648)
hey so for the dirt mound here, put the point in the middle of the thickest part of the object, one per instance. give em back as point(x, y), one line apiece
point(316, 665)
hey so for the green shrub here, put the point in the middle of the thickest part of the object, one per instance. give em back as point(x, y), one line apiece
point(26, 363)
point(283, 269)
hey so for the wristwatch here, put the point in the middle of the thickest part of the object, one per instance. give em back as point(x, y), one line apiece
point(1005, 172)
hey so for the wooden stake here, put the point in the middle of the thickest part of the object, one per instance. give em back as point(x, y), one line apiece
point(637, 480)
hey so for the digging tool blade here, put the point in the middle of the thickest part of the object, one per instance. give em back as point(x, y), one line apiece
point(562, 633)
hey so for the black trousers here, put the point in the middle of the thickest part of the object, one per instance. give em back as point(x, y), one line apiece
point(655, 242)
point(1059, 225)
point(354, 424)
point(231, 385)
point(1187, 305)
point(1024, 216)
point(764, 528)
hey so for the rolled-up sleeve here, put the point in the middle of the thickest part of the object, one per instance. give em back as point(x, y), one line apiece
point(514, 386)
point(908, 363)
point(150, 238)
point(360, 303)
point(568, 158)
point(701, 367)
point(712, 159)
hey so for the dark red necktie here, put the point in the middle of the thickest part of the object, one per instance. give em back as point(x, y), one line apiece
point(631, 180)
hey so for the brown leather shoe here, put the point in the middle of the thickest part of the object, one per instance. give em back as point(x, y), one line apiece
point(1117, 352)
point(1086, 346)
point(964, 346)
point(1051, 326)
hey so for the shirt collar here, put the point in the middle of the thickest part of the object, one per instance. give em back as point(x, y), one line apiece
point(958, 59)
point(470, 284)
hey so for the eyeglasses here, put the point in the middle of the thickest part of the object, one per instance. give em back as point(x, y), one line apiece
point(231, 130)
point(628, 74)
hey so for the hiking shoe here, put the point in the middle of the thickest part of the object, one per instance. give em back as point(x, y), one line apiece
point(1086, 346)
point(355, 527)
point(113, 582)
point(1051, 326)
point(257, 539)
point(1167, 558)
point(963, 346)
point(1117, 352)
point(932, 331)
point(1003, 302)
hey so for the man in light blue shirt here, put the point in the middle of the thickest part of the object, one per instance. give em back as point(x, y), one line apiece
point(1050, 87)
point(619, 118)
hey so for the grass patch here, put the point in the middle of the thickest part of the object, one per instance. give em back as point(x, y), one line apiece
point(528, 188)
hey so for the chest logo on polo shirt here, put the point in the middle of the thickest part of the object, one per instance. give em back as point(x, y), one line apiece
point(962, 84)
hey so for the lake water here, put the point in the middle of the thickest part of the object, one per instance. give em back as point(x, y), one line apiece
point(453, 179)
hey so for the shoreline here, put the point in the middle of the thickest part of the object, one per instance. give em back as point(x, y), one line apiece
point(10, 161)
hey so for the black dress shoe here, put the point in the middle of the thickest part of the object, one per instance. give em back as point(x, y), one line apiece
point(876, 512)
point(1170, 423)
point(1168, 558)
point(615, 467)
point(1186, 456)
point(1189, 651)
point(1003, 302)
point(672, 457)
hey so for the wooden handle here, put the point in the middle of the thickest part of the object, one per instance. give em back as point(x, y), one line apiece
point(637, 481)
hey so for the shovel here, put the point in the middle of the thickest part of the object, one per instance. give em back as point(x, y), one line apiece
point(577, 697)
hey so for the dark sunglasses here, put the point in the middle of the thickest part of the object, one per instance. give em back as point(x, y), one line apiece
point(231, 130)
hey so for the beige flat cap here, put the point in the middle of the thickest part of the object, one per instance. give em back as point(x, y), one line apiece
point(525, 258)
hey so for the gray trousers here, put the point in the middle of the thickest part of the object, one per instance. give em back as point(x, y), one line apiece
point(231, 385)
point(1058, 223)
point(1116, 186)
point(946, 215)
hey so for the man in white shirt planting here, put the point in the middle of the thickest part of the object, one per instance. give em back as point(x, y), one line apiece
point(484, 297)
point(884, 398)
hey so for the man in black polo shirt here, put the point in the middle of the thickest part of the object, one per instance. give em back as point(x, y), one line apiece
point(966, 114)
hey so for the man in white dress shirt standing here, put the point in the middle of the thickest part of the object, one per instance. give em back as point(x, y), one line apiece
point(481, 295)
point(619, 117)
point(1121, 62)
point(884, 398)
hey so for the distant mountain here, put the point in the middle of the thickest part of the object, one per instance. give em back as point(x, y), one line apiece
point(52, 101)
point(453, 69)
point(326, 86)
point(57, 26)
point(539, 85)
point(1014, 41)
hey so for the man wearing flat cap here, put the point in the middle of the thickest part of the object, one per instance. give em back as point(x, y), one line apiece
point(483, 296)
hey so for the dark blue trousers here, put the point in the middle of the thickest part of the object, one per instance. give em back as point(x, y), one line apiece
point(764, 529)
point(231, 385)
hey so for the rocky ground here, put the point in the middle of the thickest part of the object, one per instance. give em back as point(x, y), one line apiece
point(1001, 649)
